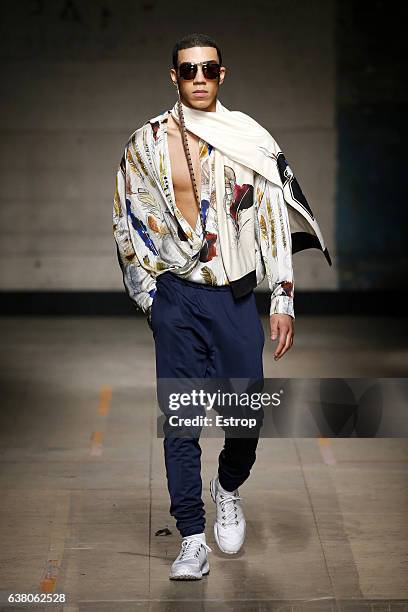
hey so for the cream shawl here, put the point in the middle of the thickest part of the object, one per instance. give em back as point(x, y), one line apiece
point(236, 136)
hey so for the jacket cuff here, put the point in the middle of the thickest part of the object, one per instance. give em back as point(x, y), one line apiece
point(282, 304)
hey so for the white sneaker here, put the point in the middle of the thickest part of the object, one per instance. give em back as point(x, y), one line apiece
point(192, 562)
point(230, 525)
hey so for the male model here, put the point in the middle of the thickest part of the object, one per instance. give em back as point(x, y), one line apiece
point(200, 216)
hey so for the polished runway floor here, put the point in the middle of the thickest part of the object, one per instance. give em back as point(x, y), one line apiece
point(83, 489)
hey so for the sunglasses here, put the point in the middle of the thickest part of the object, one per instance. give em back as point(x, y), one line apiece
point(188, 70)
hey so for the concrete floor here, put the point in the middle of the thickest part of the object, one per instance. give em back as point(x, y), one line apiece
point(83, 489)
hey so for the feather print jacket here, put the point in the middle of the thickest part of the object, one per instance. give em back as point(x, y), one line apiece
point(152, 235)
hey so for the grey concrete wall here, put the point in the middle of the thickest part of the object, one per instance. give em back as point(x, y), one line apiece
point(80, 77)
point(371, 211)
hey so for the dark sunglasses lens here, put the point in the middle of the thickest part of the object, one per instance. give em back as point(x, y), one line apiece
point(211, 71)
point(188, 71)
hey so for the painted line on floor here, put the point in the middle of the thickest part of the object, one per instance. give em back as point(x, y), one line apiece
point(73, 557)
point(57, 537)
point(96, 443)
point(326, 450)
point(105, 397)
point(103, 409)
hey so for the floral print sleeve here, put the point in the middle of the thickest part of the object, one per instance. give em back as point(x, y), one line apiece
point(139, 284)
point(276, 244)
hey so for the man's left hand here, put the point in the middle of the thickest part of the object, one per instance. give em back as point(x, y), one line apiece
point(282, 327)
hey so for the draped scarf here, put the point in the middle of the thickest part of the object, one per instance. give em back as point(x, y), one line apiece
point(236, 136)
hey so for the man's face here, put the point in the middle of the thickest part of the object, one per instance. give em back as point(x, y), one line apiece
point(207, 101)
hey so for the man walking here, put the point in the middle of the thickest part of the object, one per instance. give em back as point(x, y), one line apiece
point(200, 216)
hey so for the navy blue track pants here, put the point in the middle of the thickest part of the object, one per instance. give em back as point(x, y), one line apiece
point(202, 331)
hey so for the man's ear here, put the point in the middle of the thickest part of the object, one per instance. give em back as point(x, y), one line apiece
point(174, 74)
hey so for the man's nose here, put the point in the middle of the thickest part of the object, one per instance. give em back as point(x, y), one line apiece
point(200, 74)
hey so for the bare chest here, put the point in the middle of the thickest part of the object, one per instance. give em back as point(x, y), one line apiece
point(183, 188)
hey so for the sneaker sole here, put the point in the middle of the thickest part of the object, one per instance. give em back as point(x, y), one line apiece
point(189, 576)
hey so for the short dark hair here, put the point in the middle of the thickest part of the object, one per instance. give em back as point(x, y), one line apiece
point(194, 40)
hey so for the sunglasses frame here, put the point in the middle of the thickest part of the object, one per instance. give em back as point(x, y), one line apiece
point(203, 66)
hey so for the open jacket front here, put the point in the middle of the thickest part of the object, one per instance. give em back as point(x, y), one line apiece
point(152, 236)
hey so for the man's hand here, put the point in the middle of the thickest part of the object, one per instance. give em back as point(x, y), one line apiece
point(282, 326)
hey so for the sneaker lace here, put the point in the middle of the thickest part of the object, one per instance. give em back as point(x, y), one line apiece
point(228, 506)
point(191, 548)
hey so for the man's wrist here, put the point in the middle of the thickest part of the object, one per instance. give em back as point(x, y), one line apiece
point(282, 304)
